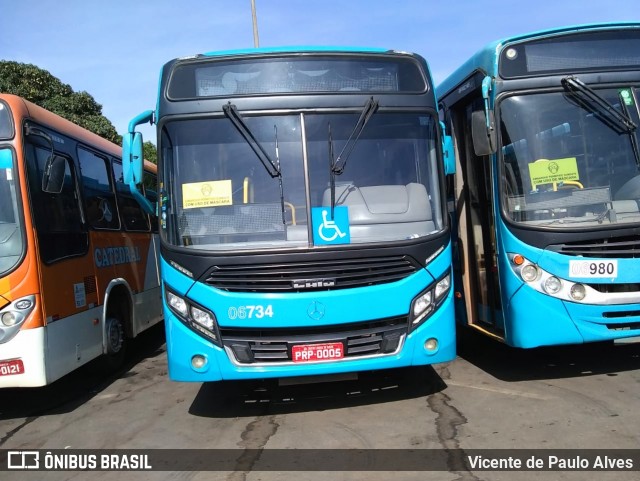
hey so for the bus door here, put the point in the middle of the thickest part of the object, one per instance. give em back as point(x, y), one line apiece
point(476, 227)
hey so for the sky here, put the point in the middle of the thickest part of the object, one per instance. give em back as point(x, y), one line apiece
point(114, 49)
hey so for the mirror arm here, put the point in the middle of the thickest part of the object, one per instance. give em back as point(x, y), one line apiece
point(148, 207)
point(143, 118)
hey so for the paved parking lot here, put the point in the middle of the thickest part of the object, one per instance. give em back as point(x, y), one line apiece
point(490, 397)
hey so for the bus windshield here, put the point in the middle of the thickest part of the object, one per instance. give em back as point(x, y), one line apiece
point(11, 241)
point(222, 196)
point(566, 164)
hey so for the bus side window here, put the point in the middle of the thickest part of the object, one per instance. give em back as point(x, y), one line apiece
point(58, 219)
point(99, 199)
point(132, 215)
point(150, 183)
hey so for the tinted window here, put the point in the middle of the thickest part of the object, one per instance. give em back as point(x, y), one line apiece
point(99, 199)
point(150, 182)
point(132, 215)
point(58, 217)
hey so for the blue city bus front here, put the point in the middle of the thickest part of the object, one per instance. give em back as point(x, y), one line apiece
point(302, 214)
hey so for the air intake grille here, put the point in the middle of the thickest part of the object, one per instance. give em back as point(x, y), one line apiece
point(311, 275)
point(628, 247)
point(251, 346)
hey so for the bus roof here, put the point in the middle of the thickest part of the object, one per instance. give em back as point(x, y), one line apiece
point(23, 108)
point(294, 49)
point(486, 59)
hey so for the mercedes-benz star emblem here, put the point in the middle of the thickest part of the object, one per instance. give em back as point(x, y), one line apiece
point(315, 310)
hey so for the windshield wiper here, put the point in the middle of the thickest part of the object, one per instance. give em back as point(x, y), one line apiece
point(284, 220)
point(238, 122)
point(367, 112)
point(632, 133)
point(619, 122)
point(273, 168)
point(332, 173)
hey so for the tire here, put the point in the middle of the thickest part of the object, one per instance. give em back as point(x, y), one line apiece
point(116, 344)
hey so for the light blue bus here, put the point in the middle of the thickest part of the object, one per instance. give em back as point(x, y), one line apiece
point(302, 215)
point(547, 190)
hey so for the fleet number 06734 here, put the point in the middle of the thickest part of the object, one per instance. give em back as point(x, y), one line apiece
point(250, 312)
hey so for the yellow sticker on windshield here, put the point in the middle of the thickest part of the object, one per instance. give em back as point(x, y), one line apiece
point(546, 171)
point(206, 194)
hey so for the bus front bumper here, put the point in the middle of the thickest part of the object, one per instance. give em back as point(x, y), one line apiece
point(183, 345)
point(534, 319)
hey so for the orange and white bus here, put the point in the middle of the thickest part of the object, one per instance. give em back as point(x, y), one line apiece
point(78, 256)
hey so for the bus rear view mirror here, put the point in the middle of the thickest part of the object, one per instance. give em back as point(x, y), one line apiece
point(53, 176)
point(6, 159)
point(448, 155)
point(483, 132)
point(132, 158)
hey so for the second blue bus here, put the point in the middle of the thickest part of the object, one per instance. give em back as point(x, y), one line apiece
point(547, 191)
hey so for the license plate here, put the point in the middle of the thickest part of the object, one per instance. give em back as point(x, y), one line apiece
point(14, 366)
point(317, 352)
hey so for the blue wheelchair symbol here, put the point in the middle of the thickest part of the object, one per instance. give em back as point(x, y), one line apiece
point(331, 231)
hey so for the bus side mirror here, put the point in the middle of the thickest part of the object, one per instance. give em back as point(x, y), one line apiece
point(483, 132)
point(6, 159)
point(53, 175)
point(132, 158)
point(448, 155)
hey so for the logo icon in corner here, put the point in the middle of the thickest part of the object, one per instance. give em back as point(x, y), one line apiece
point(316, 310)
point(23, 460)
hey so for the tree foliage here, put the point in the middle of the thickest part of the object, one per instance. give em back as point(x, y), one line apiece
point(40, 87)
point(150, 152)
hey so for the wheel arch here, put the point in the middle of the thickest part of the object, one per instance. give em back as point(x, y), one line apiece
point(118, 302)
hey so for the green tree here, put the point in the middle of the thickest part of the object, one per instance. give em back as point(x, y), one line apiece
point(40, 87)
point(150, 152)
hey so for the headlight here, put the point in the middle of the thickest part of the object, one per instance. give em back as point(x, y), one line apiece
point(203, 318)
point(442, 287)
point(552, 285)
point(14, 315)
point(547, 283)
point(529, 273)
point(425, 303)
point(11, 318)
point(422, 305)
point(16, 312)
point(177, 303)
point(578, 292)
point(194, 316)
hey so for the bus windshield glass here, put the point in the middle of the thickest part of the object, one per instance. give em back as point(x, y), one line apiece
point(567, 162)
point(221, 196)
point(11, 241)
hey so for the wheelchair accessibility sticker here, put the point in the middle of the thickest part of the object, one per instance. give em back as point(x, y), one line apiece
point(330, 231)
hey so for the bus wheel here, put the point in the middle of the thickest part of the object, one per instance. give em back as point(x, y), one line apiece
point(116, 344)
